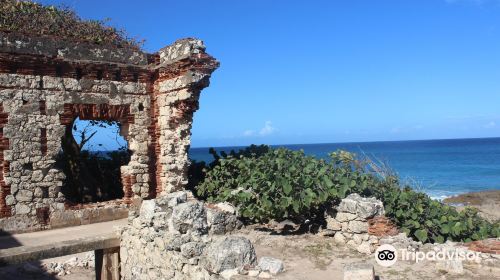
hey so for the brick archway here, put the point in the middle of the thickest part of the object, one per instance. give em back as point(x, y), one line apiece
point(120, 113)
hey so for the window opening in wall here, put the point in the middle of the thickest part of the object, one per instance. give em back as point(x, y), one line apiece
point(92, 153)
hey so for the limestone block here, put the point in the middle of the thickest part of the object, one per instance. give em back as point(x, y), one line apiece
point(226, 207)
point(357, 227)
point(24, 195)
point(364, 208)
point(359, 271)
point(345, 217)
point(273, 265)
point(229, 252)
point(10, 200)
point(190, 216)
point(192, 249)
point(172, 199)
point(221, 222)
point(229, 273)
point(22, 209)
point(339, 238)
point(333, 224)
point(451, 266)
point(147, 209)
point(365, 248)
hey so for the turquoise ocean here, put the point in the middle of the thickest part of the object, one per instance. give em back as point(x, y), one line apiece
point(441, 168)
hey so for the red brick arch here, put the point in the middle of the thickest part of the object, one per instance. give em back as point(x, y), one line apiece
point(106, 112)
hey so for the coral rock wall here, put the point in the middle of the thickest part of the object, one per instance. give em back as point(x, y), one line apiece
point(45, 84)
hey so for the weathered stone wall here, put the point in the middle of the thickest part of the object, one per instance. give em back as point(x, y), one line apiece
point(177, 237)
point(45, 83)
point(358, 222)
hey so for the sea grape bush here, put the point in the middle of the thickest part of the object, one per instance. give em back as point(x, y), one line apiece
point(31, 18)
point(266, 183)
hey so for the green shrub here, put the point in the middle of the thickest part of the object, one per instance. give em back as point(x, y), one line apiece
point(35, 19)
point(279, 184)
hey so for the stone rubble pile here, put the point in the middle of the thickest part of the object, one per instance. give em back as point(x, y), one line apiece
point(455, 265)
point(178, 237)
point(359, 223)
point(348, 223)
point(61, 268)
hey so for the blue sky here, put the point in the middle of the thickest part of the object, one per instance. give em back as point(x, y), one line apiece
point(331, 71)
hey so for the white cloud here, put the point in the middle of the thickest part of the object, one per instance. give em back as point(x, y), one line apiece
point(396, 130)
point(249, 132)
point(267, 129)
point(491, 124)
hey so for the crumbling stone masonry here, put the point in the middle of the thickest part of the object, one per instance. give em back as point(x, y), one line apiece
point(358, 222)
point(178, 237)
point(45, 83)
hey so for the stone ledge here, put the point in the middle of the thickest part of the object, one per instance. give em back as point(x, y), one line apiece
point(71, 50)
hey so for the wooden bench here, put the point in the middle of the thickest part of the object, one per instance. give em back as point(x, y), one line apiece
point(106, 246)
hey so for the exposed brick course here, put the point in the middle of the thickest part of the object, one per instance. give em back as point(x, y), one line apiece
point(381, 226)
point(489, 246)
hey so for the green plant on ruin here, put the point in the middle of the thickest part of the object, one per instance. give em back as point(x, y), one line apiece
point(31, 18)
point(283, 184)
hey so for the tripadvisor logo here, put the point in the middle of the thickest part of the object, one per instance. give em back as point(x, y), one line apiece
point(386, 255)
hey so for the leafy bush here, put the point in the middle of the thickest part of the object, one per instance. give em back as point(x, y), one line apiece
point(103, 171)
point(283, 184)
point(35, 19)
point(430, 220)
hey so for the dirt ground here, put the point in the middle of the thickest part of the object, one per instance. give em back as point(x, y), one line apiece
point(310, 257)
point(314, 257)
point(487, 202)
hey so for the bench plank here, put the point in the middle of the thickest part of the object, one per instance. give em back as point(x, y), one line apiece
point(23, 254)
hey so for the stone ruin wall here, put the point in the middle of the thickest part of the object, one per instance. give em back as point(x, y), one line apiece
point(45, 83)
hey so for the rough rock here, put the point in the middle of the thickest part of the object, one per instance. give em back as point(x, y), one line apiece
point(365, 248)
point(345, 217)
point(359, 271)
point(147, 209)
point(192, 249)
point(333, 224)
point(229, 252)
point(227, 274)
point(221, 222)
point(357, 227)
point(273, 265)
point(173, 199)
point(364, 208)
point(401, 241)
point(339, 238)
point(451, 266)
point(265, 275)
point(226, 207)
point(190, 216)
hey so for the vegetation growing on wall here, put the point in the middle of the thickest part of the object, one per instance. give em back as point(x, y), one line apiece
point(266, 183)
point(35, 19)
